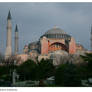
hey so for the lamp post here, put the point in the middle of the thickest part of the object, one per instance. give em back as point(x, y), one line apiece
point(14, 73)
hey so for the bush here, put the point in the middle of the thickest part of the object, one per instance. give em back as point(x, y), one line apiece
point(88, 60)
point(45, 69)
point(67, 76)
point(27, 70)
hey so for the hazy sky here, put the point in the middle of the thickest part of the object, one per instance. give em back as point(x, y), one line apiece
point(34, 19)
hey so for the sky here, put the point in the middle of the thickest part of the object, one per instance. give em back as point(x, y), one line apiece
point(34, 19)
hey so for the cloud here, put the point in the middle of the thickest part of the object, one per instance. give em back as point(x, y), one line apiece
point(34, 19)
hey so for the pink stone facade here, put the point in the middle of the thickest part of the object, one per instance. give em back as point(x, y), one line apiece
point(48, 45)
point(72, 46)
point(44, 45)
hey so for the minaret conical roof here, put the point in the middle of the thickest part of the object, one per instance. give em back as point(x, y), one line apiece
point(16, 29)
point(91, 28)
point(9, 15)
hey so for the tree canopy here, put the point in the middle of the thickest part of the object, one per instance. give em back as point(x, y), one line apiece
point(26, 70)
point(66, 75)
point(45, 69)
point(88, 59)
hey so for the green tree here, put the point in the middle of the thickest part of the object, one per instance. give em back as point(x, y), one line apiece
point(27, 70)
point(82, 70)
point(6, 69)
point(45, 69)
point(6, 72)
point(88, 60)
point(67, 76)
point(1, 58)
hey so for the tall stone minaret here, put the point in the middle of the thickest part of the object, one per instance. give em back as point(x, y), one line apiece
point(16, 40)
point(91, 38)
point(8, 52)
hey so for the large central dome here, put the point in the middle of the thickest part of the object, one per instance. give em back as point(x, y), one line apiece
point(56, 33)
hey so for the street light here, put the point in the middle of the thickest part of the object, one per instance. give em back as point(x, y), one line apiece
point(14, 74)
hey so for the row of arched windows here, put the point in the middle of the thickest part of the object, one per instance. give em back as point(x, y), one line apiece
point(64, 36)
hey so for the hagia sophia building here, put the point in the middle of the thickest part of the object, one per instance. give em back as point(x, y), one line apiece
point(53, 41)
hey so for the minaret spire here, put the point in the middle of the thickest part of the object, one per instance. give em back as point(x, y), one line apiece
point(91, 38)
point(91, 28)
point(8, 52)
point(16, 40)
point(9, 15)
point(16, 29)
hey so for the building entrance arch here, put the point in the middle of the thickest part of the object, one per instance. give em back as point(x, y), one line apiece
point(57, 46)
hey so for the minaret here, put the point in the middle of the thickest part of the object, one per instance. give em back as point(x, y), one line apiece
point(91, 38)
point(8, 52)
point(16, 40)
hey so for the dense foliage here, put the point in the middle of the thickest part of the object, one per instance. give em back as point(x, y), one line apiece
point(30, 70)
point(27, 70)
point(88, 59)
point(45, 69)
point(67, 75)
point(6, 72)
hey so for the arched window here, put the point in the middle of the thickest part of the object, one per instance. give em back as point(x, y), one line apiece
point(58, 46)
